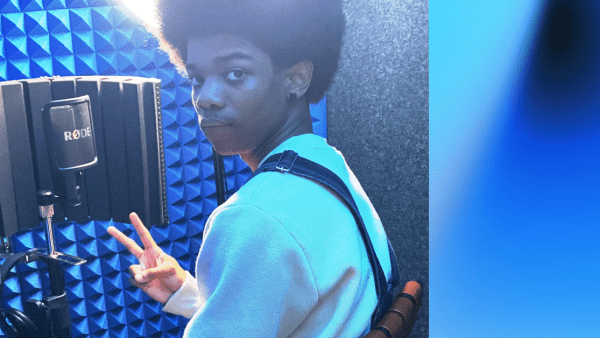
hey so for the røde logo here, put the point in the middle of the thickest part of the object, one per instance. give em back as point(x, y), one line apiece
point(77, 134)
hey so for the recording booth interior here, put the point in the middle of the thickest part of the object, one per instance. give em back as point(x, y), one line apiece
point(151, 158)
point(58, 49)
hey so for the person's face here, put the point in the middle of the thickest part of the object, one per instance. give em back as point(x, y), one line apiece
point(237, 93)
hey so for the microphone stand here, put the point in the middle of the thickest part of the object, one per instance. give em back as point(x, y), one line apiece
point(51, 315)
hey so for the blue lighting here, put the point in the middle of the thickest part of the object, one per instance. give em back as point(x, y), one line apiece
point(515, 138)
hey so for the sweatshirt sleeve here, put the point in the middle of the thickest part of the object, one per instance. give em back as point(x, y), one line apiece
point(253, 278)
point(186, 301)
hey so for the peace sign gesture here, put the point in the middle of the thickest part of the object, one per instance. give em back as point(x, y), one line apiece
point(158, 274)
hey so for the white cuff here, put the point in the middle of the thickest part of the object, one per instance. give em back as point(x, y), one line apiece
point(185, 301)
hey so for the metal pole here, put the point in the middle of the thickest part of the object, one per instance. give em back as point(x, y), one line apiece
point(46, 207)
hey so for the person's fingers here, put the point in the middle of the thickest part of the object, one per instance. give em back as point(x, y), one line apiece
point(136, 278)
point(143, 286)
point(129, 243)
point(144, 234)
point(159, 272)
point(137, 273)
point(146, 287)
point(142, 275)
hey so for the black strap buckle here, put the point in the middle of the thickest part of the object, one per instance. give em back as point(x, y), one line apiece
point(286, 161)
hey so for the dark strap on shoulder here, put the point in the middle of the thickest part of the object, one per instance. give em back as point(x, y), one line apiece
point(290, 161)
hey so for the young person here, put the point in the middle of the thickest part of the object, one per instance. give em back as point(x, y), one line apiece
point(283, 257)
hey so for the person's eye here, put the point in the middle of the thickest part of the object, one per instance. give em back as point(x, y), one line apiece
point(235, 75)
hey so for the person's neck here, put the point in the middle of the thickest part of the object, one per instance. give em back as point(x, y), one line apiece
point(298, 123)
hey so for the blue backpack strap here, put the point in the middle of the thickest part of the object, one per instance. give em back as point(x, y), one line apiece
point(395, 272)
point(290, 161)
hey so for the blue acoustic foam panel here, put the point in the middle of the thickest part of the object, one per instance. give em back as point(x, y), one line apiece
point(94, 37)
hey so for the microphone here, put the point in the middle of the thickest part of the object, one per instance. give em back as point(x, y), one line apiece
point(70, 140)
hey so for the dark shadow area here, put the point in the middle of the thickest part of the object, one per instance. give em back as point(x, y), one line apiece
point(557, 92)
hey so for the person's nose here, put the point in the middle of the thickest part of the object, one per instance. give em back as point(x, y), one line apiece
point(208, 96)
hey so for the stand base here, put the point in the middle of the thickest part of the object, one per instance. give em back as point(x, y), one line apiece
point(50, 316)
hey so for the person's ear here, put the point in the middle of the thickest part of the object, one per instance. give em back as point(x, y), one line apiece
point(298, 78)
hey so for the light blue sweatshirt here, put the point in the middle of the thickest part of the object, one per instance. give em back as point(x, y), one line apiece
point(283, 257)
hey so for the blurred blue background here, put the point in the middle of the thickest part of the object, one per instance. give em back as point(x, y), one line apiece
point(514, 145)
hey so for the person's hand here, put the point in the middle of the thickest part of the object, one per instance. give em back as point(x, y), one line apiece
point(158, 274)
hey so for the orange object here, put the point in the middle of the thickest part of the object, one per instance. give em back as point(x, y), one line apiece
point(398, 321)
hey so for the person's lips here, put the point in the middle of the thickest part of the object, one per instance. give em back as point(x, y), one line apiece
point(207, 123)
